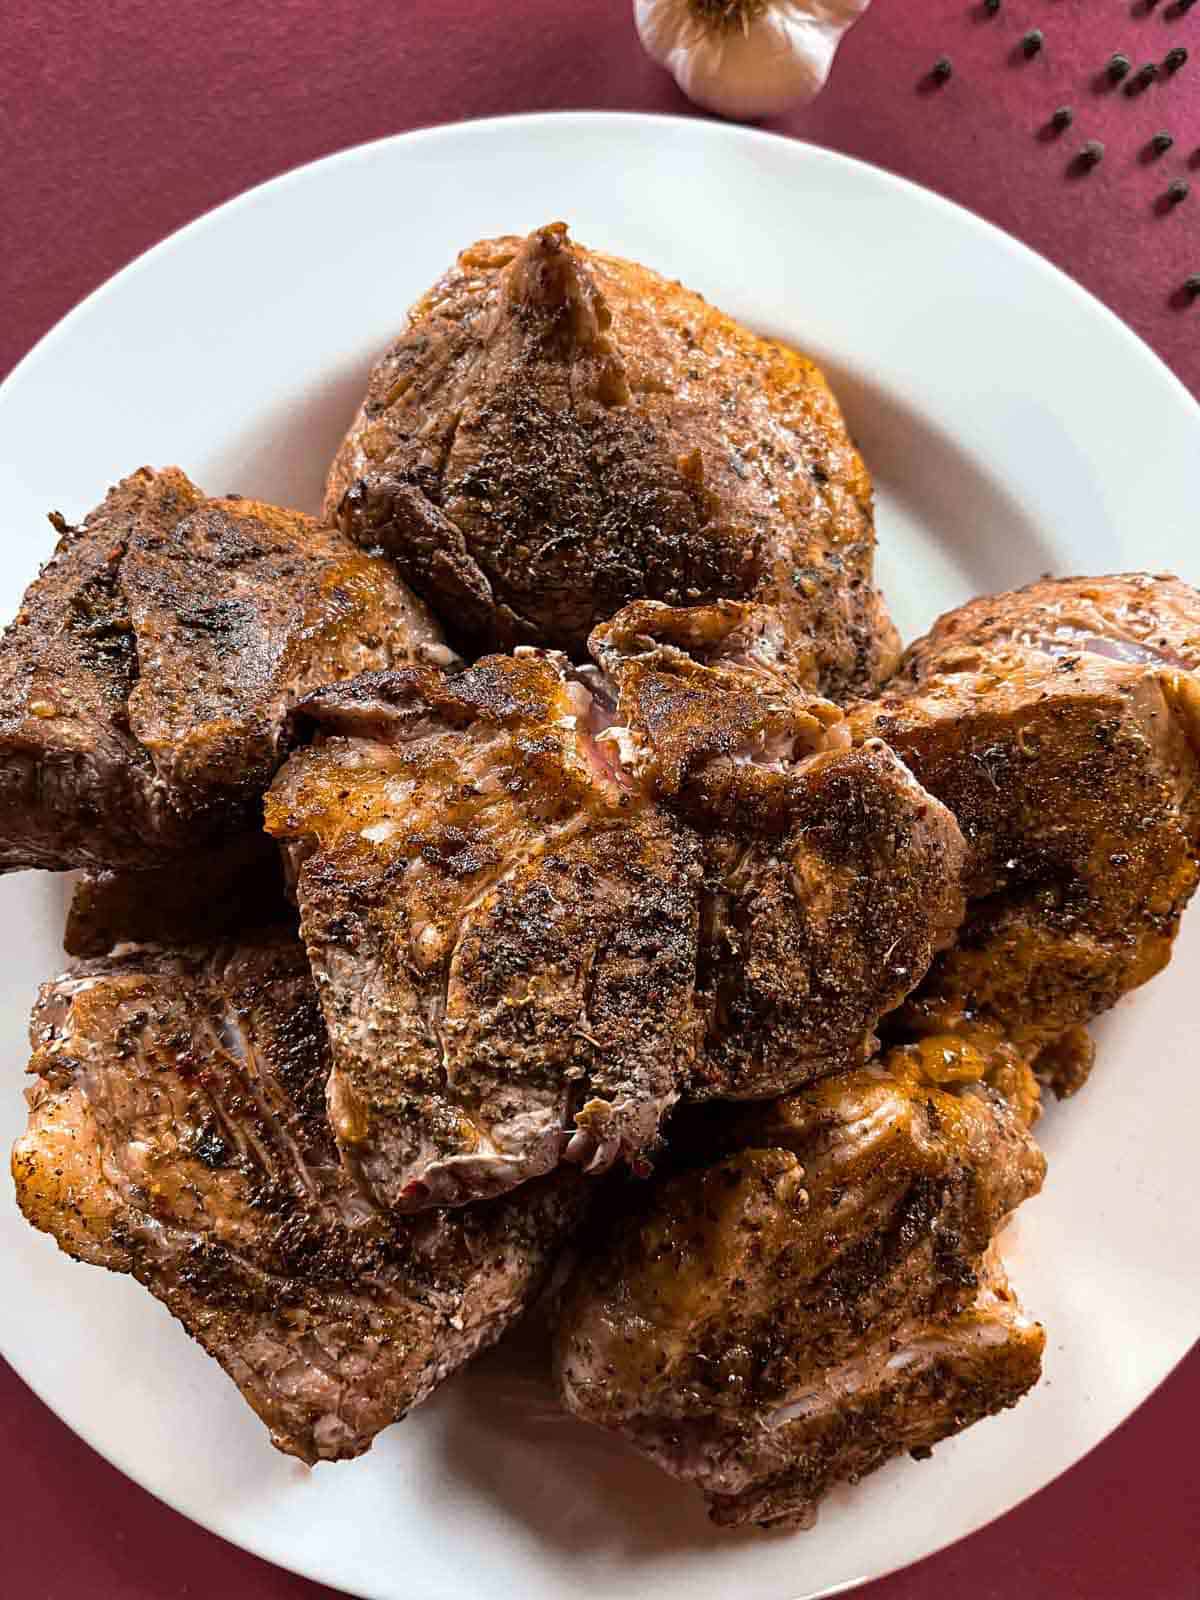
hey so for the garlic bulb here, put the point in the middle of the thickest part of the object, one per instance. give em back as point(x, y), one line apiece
point(746, 58)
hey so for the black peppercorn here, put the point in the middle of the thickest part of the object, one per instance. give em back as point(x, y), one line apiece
point(1178, 192)
point(942, 70)
point(1161, 143)
point(1118, 66)
point(1062, 118)
point(1032, 42)
point(1191, 286)
point(1142, 78)
point(1092, 154)
point(991, 7)
point(1174, 59)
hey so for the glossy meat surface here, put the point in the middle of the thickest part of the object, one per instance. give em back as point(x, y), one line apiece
point(557, 432)
point(145, 681)
point(177, 1132)
point(1061, 725)
point(819, 1293)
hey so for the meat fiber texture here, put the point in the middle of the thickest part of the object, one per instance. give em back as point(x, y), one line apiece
point(817, 1290)
point(1061, 725)
point(542, 902)
point(145, 681)
point(557, 432)
point(177, 1132)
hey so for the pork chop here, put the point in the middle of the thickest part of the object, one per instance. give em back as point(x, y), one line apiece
point(1061, 725)
point(145, 681)
point(558, 431)
point(178, 1133)
point(820, 1291)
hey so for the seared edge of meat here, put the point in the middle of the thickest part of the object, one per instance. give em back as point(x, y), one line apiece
point(177, 1132)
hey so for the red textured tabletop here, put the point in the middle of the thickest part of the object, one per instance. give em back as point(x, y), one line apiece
point(121, 121)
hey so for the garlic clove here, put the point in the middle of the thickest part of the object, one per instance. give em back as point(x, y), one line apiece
point(746, 58)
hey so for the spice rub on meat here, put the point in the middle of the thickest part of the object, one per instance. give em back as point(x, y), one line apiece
point(177, 1132)
point(145, 681)
point(819, 1291)
point(558, 431)
point(542, 901)
point(1061, 725)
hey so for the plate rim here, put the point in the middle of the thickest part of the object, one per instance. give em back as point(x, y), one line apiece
point(703, 129)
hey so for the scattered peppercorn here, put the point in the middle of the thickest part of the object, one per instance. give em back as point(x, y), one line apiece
point(1118, 66)
point(1062, 118)
point(1032, 42)
point(991, 7)
point(1178, 192)
point(1142, 78)
point(1161, 143)
point(1191, 286)
point(1092, 154)
point(942, 70)
point(1174, 59)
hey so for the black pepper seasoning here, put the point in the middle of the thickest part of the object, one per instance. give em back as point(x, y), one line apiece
point(1032, 42)
point(991, 7)
point(1174, 59)
point(1118, 66)
point(1191, 286)
point(1062, 118)
point(1161, 143)
point(1092, 154)
point(1142, 78)
point(942, 70)
point(1178, 192)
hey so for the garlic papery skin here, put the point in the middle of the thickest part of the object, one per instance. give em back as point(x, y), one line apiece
point(746, 59)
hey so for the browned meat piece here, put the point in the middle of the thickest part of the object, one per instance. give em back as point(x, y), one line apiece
point(831, 876)
point(207, 893)
point(504, 933)
point(1061, 725)
point(529, 933)
point(821, 1298)
point(145, 681)
point(178, 1133)
point(558, 431)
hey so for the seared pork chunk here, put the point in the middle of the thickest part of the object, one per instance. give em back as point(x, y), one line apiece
point(1061, 725)
point(145, 681)
point(503, 933)
point(831, 877)
point(557, 432)
point(821, 1296)
point(178, 1132)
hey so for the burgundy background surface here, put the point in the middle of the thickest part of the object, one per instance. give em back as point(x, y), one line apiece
point(123, 120)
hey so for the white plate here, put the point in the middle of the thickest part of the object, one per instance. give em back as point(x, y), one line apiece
point(1014, 427)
